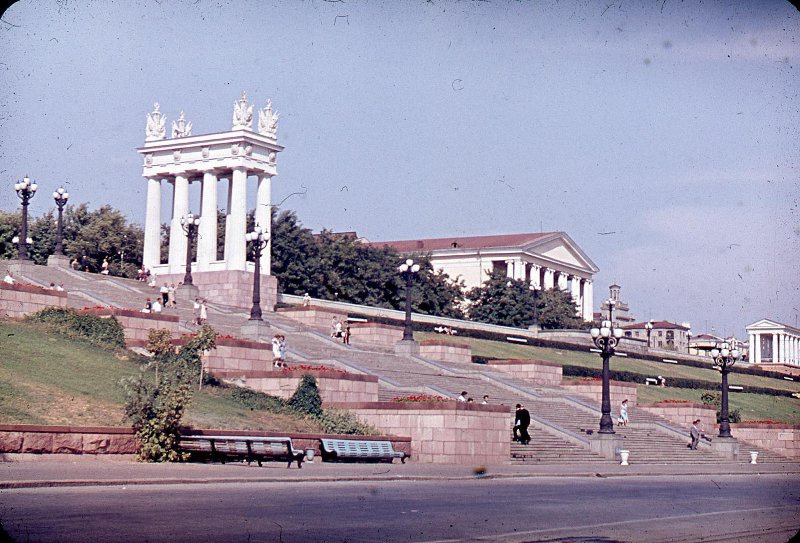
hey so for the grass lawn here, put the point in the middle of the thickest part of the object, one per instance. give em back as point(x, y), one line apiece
point(48, 379)
point(751, 406)
point(497, 349)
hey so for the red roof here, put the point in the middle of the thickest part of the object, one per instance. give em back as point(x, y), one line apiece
point(657, 325)
point(467, 242)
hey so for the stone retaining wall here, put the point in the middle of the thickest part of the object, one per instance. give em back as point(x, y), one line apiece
point(316, 317)
point(136, 324)
point(19, 300)
point(228, 287)
point(444, 432)
point(334, 387)
point(375, 333)
point(534, 371)
point(784, 439)
point(435, 349)
point(234, 354)
point(684, 414)
point(593, 390)
point(24, 438)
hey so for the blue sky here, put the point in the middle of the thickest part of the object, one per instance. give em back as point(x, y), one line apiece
point(661, 136)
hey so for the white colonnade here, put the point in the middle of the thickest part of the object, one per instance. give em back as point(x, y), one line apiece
point(773, 342)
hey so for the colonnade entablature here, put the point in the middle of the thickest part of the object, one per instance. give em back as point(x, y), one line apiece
point(207, 159)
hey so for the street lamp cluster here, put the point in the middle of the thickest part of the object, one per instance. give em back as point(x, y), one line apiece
point(606, 339)
point(724, 356)
point(649, 329)
point(189, 223)
point(25, 190)
point(60, 196)
point(258, 239)
point(407, 270)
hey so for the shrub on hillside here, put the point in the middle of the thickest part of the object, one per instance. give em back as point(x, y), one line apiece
point(99, 330)
point(334, 421)
point(258, 401)
point(306, 398)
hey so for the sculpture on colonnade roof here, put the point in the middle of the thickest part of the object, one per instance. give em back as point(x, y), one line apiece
point(268, 120)
point(155, 124)
point(181, 128)
point(242, 113)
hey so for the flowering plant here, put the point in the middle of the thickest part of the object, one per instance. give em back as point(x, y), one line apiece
point(767, 421)
point(306, 367)
point(90, 308)
point(420, 398)
point(675, 401)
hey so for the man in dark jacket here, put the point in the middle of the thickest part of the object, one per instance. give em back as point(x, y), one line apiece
point(521, 423)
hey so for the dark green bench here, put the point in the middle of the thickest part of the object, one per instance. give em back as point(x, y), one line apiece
point(249, 448)
point(360, 449)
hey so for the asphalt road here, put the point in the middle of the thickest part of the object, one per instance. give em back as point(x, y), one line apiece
point(676, 508)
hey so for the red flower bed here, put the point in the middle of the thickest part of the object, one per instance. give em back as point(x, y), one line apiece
point(95, 307)
point(306, 367)
point(420, 398)
point(762, 422)
point(675, 401)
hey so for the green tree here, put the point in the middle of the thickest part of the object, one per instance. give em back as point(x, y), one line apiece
point(557, 310)
point(9, 227)
point(504, 301)
point(295, 256)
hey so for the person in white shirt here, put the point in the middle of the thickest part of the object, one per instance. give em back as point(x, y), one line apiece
point(156, 306)
point(462, 397)
point(9, 278)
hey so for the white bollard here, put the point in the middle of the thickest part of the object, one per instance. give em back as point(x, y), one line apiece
point(623, 454)
point(310, 455)
point(753, 456)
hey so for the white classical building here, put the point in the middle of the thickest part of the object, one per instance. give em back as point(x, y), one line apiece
point(774, 343)
point(233, 158)
point(545, 260)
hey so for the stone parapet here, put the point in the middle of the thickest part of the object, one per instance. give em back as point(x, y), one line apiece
point(334, 386)
point(534, 371)
point(374, 333)
point(19, 300)
point(228, 287)
point(459, 353)
point(234, 354)
point(444, 432)
point(137, 325)
point(24, 438)
point(783, 439)
point(314, 316)
point(593, 390)
point(683, 414)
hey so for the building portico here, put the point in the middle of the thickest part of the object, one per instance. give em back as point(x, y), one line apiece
point(774, 343)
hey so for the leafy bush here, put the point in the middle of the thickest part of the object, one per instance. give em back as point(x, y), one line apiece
point(258, 401)
point(715, 399)
point(306, 398)
point(105, 331)
point(334, 421)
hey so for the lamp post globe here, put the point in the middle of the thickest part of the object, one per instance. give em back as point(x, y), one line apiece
point(258, 240)
point(649, 328)
point(25, 190)
point(606, 338)
point(407, 270)
point(60, 196)
point(189, 223)
point(725, 357)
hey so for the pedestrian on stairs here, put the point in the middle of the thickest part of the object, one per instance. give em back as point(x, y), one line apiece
point(623, 413)
point(521, 423)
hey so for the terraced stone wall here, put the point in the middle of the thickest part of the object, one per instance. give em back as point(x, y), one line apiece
point(784, 439)
point(334, 387)
point(228, 287)
point(316, 317)
point(683, 414)
point(592, 389)
point(24, 438)
point(18, 300)
point(537, 372)
point(136, 325)
point(374, 333)
point(458, 353)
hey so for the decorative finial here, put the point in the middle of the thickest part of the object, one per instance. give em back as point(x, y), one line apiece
point(155, 124)
point(242, 113)
point(181, 128)
point(268, 121)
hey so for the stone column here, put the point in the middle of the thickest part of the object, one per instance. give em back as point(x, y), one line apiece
point(519, 269)
point(562, 280)
point(783, 348)
point(510, 269)
point(237, 221)
point(575, 290)
point(535, 272)
point(207, 232)
point(264, 219)
point(548, 278)
point(752, 341)
point(177, 237)
point(755, 349)
point(588, 300)
point(774, 347)
point(152, 225)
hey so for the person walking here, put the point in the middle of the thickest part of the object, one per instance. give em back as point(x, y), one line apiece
point(346, 336)
point(276, 351)
point(164, 291)
point(203, 312)
point(306, 299)
point(196, 311)
point(521, 423)
point(282, 351)
point(171, 296)
point(623, 413)
point(694, 433)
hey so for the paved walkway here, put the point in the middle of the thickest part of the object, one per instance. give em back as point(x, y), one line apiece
point(30, 471)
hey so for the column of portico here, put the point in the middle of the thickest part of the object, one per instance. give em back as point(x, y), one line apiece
point(784, 348)
point(575, 289)
point(751, 340)
point(236, 221)
point(536, 284)
point(774, 347)
point(588, 300)
point(562, 281)
point(177, 238)
point(519, 269)
point(152, 224)
point(263, 218)
point(757, 347)
point(207, 231)
point(510, 269)
point(548, 278)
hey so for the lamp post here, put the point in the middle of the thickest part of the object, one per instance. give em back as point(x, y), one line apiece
point(407, 270)
point(724, 358)
point(688, 342)
point(60, 196)
point(25, 190)
point(606, 338)
point(649, 328)
point(189, 223)
point(259, 242)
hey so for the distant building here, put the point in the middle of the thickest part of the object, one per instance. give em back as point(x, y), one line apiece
point(774, 343)
point(621, 312)
point(702, 344)
point(664, 335)
point(545, 260)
